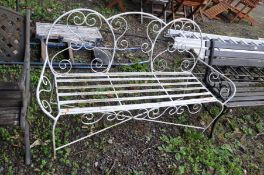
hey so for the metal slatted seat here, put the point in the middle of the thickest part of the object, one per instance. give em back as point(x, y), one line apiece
point(129, 90)
point(153, 82)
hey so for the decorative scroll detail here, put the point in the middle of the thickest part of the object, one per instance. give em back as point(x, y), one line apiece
point(77, 41)
point(120, 26)
point(124, 30)
point(47, 88)
point(116, 27)
point(156, 113)
point(91, 118)
point(153, 29)
point(176, 47)
point(220, 85)
point(152, 114)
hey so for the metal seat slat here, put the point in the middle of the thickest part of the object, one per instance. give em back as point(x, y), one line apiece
point(100, 74)
point(123, 79)
point(66, 102)
point(129, 91)
point(128, 85)
point(70, 111)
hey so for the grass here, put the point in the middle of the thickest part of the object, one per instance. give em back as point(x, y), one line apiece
point(44, 10)
point(195, 154)
point(49, 10)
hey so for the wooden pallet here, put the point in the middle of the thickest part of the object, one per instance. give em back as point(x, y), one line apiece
point(239, 14)
point(217, 9)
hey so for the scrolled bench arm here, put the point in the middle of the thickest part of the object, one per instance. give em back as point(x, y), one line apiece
point(220, 85)
point(45, 87)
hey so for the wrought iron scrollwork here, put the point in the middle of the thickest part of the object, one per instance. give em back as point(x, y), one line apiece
point(91, 118)
point(82, 18)
point(186, 57)
point(220, 85)
point(45, 95)
point(151, 114)
point(156, 113)
point(124, 31)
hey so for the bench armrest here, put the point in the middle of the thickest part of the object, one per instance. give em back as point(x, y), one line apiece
point(221, 86)
point(46, 92)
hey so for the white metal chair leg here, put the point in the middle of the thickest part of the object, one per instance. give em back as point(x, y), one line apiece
point(54, 139)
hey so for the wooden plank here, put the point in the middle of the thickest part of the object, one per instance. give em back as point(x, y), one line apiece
point(248, 98)
point(43, 50)
point(234, 46)
point(8, 110)
point(10, 95)
point(236, 54)
point(249, 94)
point(250, 89)
point(238, 62)
point(70, 51)
point(244, 84)
point(25, 79)
point(9, 119)
point(244, 104)
point(67, 32)
point(10, 103)
point(9, 115)
point(8, 86)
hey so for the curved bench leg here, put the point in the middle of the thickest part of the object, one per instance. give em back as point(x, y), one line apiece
point(215, 120)
point(27, 144)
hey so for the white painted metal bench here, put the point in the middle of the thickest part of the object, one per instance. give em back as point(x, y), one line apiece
point(115, 95)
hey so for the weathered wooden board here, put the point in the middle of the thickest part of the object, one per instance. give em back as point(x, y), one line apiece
point(9, 115)
point(9, 119)
point(68, 33)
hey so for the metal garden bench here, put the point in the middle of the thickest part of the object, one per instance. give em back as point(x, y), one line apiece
point(243, 63)
point(159, 92)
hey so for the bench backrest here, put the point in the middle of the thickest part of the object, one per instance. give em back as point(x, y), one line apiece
point(124, 40)
point(233, 54)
